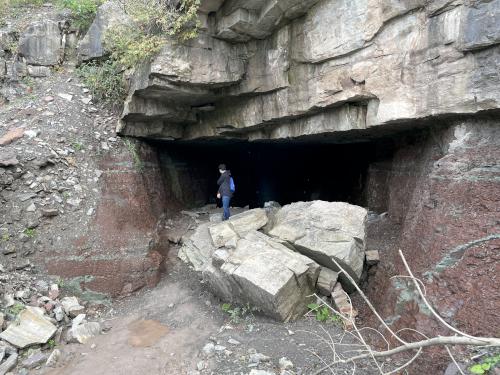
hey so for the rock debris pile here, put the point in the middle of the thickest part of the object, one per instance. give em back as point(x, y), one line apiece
point(275, 258)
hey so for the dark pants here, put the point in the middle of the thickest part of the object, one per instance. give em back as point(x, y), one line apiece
point(225, 205)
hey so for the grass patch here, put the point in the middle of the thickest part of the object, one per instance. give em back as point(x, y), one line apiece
point(82, 11)
point(15, 309)
point(30, 232)
point(105, 81)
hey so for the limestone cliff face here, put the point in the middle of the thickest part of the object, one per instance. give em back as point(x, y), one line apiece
point(279, 69)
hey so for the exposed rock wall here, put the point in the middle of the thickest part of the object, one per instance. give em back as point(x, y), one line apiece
point(444, 190)
point(327, 67)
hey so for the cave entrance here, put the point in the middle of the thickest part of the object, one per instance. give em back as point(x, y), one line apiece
point(285, 172)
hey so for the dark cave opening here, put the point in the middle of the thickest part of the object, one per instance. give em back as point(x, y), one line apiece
point(286, 171)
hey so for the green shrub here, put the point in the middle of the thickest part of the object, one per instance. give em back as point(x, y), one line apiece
point(154, 20)
point(82, 11)
point(166, 17)
point(324, 314)
point(105, 81)
point(130, 47)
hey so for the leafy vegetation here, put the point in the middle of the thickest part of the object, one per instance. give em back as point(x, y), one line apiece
point(82, 11)
point(131, 146)
point(485, 365)
point(129, 46)
point(105, 81)
point(165, 17)
point(77, 146)
point(5, 237)
point(324, 314)
point(30, 232)
point(51, 344)
point(238, 313)
point(15, 309)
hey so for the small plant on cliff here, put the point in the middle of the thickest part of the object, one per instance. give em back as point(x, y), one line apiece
point(165, 17)
point(154, 21)
point(82, 11)
point(131, 146)
point(5, 237)
point(104, 81)
point(129, 46)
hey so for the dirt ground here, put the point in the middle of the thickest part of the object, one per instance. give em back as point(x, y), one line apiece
point(163, 331)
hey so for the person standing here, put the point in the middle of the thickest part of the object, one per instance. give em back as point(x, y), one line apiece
point(225, 192)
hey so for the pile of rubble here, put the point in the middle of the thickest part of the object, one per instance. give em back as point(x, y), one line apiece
point(35, 320)
point(276, 258)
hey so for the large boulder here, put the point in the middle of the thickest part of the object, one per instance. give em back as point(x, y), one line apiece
point(325, 231)
point(267, 275)
point(109, 15)
point(42, 44)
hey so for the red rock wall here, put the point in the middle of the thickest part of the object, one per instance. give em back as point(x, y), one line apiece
point(123, 247)
point(444, 191)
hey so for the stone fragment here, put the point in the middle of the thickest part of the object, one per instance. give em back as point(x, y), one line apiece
point(326, 281)
point(59, 313)
point(343, 305)
point(63, 95)
point(261, 372)
point(285, 364)
point(208, 350)
point(372, 257)
point(237, 226)
point(33, 328)
point(11, 136)
point(50, 212)
point(8, 364)
point(233, 342)
point(53, 358)
point(258, 358)
point(71, 306)
point(34, 360)
point(8, 159)
point(38, 71)
point(83, 332)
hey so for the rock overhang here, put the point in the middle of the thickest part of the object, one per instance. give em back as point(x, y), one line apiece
point(393, 64)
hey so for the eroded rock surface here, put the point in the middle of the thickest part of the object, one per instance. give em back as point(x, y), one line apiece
point(259, 71)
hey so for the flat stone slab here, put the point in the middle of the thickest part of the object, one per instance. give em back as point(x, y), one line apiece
point(33, 328)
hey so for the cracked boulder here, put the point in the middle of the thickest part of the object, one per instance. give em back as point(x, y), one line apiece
point(267, 275)
point(325, 231)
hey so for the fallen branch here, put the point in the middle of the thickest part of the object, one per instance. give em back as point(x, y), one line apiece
point(446, 341)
